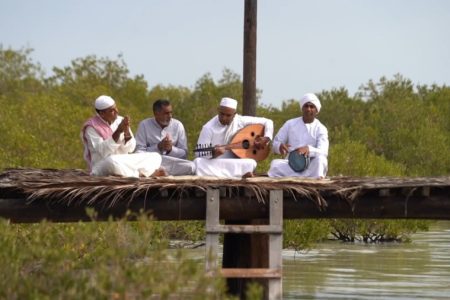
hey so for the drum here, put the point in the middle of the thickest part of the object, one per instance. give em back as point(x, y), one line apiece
point(298, 162)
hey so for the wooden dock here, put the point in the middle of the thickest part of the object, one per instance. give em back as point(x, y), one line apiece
point(254, 206)
point(31, 195)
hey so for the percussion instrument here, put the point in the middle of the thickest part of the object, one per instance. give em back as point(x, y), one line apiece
point(298, 162)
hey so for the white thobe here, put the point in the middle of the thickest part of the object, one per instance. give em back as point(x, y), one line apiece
point(297, 134)
point(109, 157)
point(226, 165)
point(150, 134)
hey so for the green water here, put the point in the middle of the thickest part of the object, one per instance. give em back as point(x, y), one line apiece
point(335, 270)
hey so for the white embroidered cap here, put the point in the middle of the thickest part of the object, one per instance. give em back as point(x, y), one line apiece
point(104, 102)
point(310, 97)
point(228, 102)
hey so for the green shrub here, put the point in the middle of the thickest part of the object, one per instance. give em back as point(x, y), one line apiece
point(108, 260)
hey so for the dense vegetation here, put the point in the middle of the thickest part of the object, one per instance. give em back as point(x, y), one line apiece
point(389, 128)
point(108, 260)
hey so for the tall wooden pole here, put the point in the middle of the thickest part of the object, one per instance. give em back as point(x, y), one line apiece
point(249, 77)
point(238, 250)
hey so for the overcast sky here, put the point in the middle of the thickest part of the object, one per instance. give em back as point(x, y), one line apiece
point(303, 46)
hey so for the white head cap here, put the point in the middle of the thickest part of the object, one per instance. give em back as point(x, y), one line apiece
point(104, 102)
point(228, 102)
point(310, 97)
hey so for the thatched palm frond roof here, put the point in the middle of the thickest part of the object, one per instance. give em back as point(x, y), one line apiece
point(76, 186)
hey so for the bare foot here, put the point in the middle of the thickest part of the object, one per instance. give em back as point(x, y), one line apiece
point(248, 175)
point(159, 172)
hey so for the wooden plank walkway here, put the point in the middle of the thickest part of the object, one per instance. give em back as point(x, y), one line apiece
point(30, 195)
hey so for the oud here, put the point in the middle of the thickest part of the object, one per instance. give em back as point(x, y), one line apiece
point(242, 144)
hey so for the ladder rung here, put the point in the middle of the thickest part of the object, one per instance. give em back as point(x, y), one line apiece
point(250, 273)
point(245, 229)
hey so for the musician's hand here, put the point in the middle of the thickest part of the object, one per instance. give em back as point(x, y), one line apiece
point(127, 134)
point(127, 121)
point(261, 142)
point(284, 149)
point(303, 150)
point(126, 131)
point(165, 144)
point(218, 151)
point(124, 127)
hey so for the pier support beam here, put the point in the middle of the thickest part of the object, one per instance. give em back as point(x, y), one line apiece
point(252, 249)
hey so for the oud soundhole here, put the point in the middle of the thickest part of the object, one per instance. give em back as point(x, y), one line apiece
point(245, 144)
point(252, 133)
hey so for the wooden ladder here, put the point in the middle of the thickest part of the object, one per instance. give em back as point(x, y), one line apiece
point(275, 230)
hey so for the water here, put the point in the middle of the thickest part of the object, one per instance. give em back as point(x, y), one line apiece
point(335, 270)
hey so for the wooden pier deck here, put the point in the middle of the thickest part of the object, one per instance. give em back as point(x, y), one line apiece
point(31, 195)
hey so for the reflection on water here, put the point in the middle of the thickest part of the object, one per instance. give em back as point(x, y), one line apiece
point(335, 270)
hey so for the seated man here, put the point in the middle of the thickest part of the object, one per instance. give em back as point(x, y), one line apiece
point(218, 132)
point(108, 140)
point(305, 135)
point(166, 136)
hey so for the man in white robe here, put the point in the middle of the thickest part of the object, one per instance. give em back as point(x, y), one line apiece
point(306, 135)
point(218, 132)
point(108, 140)
point(165, 135)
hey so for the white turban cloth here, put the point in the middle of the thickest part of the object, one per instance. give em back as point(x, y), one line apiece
point(228, 102)
point(104, 102)
point(310, 97)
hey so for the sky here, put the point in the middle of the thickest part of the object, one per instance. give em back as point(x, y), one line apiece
point(302, 46)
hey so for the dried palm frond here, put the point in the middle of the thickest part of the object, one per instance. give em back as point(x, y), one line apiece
point(74, 187)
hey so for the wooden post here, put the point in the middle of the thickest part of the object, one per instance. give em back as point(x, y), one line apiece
point(275, 286)
point(249, 73)
point(212, 220)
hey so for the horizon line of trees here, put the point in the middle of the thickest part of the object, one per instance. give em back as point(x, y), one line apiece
point(390, 127)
